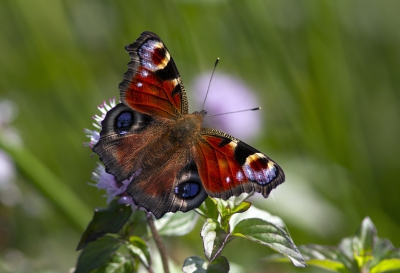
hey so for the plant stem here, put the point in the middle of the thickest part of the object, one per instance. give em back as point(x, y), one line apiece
point(220, 249)
point(159, 243)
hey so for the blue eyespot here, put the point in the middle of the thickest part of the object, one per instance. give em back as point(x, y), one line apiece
point(187, 190)
point(123, 122)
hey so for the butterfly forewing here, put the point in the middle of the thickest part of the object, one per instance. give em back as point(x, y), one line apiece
point(152, 84)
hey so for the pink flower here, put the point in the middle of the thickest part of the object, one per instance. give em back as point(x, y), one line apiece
point(107, 182)
point(103, 180)
point(228, 94)
point(94, 135)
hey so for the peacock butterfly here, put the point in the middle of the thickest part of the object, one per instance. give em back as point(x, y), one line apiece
point(172, 162)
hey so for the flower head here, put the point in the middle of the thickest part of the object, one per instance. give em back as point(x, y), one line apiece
point(94, 135)
point(229, 94)
point(107, 182)
point(102, 179)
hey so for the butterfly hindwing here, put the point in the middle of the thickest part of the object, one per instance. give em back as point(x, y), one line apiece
point(171, 186)
point(152, 84)
point(229, 167)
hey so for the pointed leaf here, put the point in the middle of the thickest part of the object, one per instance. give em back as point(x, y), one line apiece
point(346, 247)
point(138, 247)
point(176, 224)
point(254, 212)
point(327, 257)
point(105, 220)
point(97, 254)
point(389, 262)
point(208, 209)
point(213, 237)
point(118, 264)
point(218, 265)
point(394, 254)
point(234, 204)
point(386, 265)
point(363, 242)
point(194, 264)
point(383, 248)
point(268, 234)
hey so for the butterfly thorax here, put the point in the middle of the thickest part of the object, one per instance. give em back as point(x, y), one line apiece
point(185, 128)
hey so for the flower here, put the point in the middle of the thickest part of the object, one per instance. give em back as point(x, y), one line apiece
point(229, 94)
point(94, 135)
point(108, 183)
point(102, 179)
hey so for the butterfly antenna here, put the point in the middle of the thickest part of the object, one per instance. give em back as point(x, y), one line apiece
point(209, 84)
point(245, 110)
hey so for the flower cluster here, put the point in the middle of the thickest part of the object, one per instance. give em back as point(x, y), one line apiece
point(103, 180)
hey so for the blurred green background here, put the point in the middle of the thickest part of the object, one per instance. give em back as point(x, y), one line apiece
point(327, 74)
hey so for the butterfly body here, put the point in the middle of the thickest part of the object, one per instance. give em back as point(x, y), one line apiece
point(172, 162)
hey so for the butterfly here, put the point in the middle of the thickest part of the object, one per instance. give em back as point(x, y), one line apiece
point(172, 162)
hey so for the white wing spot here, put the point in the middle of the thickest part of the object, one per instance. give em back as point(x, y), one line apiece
point(144, 73)
point(249, 172)
point(147, 50)
point(239, 176)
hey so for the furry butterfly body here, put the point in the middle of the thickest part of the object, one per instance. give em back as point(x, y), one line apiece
point(173, 163)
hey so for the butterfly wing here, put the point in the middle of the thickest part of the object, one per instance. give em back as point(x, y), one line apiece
point(174, 185)
point(135, 137)
point(229, 167)
point(125, 133)
point(152, 84)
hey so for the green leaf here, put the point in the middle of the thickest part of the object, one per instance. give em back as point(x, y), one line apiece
point(213, 237)
point(105, 220)
point(383, 248)
point(394, 254)
point(227, 208)
point(386, 265)
point(137, 247)
point(118, 264)
point(346, 247)
point(218, 265)
point(327, 257)
point(208, 209)
point(97, 253)
point(176, 224)
point(194, 264)
point(363, 243)
point(268, 234)
point(254, 212)
point(234, 204)
point(387, 262)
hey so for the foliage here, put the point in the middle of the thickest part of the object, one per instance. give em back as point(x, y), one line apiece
point(109, 246)
point(363, 253)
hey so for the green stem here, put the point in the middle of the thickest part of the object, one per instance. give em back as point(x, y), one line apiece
point(48, 184)
point(159, 242)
